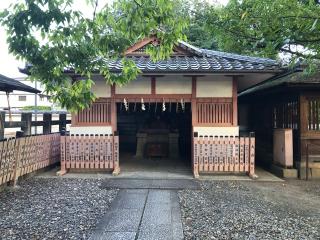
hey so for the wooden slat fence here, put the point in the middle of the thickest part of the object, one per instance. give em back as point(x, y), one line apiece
point(89, 152)
point(20, 156)
point(314, 114)
point(218, 112)
point(99, 113)
point(223, 154)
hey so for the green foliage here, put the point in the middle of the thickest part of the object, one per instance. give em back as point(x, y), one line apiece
point(267, 28)
point(54, 38)
point(198, 32)
point(39, 108)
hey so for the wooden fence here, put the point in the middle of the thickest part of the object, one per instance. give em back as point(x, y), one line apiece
point(223, 154)
point(90, 152)
point(20, 156)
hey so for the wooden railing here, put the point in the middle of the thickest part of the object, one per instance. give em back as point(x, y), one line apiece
point(223, 154)
point(99, 113)
point(25, 122)
point(218, 112)
point(89, 152)
point(20, 156)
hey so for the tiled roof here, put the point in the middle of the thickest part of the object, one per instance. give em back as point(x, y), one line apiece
point(196, 60)
point(9, 84)
point(200, 60)
point(195, 64)
point(296, 78)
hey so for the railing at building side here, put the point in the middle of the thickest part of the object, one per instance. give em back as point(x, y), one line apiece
point(26, 123)
point(223, 154)
point(99, 113)
point(217, 111)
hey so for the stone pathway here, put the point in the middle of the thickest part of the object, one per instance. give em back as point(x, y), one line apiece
point(141, 214)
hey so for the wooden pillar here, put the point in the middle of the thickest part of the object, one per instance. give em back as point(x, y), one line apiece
point(62, 122)
point(235, 101)
point(27, 119)
point(113, 109)
point(195, 167)
point(303, 115)
point(47, 118)
point(194, 101)
point(153, 85)
point(2, 123)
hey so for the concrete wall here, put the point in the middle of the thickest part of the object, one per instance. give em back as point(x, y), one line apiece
point(91, 130)
point(217, 131)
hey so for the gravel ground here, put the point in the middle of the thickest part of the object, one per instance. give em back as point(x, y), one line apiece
point(52, 208)
point(252, 210)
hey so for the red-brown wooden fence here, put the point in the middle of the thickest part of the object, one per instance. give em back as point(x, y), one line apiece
point(20, 156)
point(99, 113)
point(223, 154)
point(217, 111)
point(89, 152)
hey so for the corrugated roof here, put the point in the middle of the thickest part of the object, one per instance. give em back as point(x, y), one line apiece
point(9, 84)
point(294, 78)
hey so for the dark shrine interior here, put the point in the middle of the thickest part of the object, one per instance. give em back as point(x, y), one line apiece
point(156, 121)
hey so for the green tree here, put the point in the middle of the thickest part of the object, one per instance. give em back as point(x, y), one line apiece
point(269, 27)
point(198, 31)
point(54, 38)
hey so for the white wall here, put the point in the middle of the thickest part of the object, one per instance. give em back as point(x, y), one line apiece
point(91, 130)
point(142, 85)
point(214, 86)
point(217, 131)
point(101, 88)
point(172, 84)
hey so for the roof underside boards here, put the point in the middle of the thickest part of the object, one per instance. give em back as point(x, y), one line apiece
point(296, 78)
point(9, 85)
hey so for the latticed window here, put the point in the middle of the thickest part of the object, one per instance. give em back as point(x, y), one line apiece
point(314, 114)
point(285, 115)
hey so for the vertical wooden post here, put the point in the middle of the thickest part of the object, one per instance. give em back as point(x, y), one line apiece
point(195, 156)
point(153, 85)
point(47, 118)
point(62, 153)
point(194, 122)
point(62, 121)
point(113, 109)
point(2, 123)
point(252, 155)
point(27, 119)
point(235, 101)
point(303, 115)
point(116, 163)
point(18, 143)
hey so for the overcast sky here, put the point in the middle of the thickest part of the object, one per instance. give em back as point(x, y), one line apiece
point(8, 64)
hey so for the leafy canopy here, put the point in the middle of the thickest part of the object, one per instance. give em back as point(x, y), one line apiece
point(54, 38)
point(269, 27)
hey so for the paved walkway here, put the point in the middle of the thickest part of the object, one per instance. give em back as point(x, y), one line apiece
point(141, 214)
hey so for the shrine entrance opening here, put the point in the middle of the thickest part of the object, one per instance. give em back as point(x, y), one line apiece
point(154, 136)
